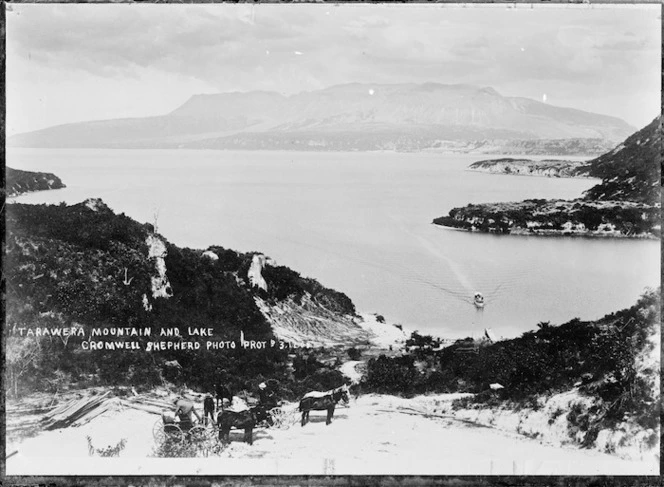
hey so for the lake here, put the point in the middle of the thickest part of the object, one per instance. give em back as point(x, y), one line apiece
point(361, 223)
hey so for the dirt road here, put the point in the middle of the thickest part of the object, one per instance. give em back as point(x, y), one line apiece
point(375, 435)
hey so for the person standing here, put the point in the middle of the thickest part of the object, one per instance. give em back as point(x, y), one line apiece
point(208, 408)
point(185, 410)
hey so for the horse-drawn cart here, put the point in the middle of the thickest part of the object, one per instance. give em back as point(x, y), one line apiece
point(284, 417)
point(169, 429)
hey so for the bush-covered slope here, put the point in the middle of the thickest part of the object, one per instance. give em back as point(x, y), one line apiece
point(608, 359)
point(85, 267)
point(631, 171)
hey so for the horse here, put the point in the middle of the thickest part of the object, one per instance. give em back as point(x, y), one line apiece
point(246, 420)
point(222, 392)
point(320, 401)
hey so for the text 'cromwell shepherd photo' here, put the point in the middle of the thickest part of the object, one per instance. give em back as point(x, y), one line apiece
point(319, 239)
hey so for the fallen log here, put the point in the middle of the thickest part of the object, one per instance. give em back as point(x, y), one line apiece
point(38, 410)
point(141, 407)
point(151, 402)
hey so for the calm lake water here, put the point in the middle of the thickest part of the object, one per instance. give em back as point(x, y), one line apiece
point(361, 223)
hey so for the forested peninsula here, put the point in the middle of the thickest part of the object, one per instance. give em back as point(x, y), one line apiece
point(18, 182)
point(626, 203)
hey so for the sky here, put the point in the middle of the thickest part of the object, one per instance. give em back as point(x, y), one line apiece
point(79, 62)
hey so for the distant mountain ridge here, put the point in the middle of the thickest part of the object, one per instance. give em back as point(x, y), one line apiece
point(343, 117)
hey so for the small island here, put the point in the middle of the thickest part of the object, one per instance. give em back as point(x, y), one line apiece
point(19, 182)
point(626, 203)
point(551, 168)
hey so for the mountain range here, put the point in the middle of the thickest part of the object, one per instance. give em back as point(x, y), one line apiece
point(346, 117)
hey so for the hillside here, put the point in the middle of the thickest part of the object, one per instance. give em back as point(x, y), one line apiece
point(631, 171)
point(83, 285)
point(348, 117)
point(18, 182)
point(626, 203)
point(598, 381)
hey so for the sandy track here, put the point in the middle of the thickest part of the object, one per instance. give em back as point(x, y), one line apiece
point(372, 436)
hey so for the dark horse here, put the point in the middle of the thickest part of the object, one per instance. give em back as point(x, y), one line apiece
point(222, 392)
point(246, 420)
point(320, 401)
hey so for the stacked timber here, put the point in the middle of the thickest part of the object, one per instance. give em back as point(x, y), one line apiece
point(82, 410)
point(77, 412)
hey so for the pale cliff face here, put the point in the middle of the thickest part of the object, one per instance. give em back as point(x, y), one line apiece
point(161, 288)
point(258, 263)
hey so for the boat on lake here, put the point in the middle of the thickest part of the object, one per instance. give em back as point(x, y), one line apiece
point(478, 299)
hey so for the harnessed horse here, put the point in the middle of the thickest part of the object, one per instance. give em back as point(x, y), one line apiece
point(320, 401)
point(246, 420)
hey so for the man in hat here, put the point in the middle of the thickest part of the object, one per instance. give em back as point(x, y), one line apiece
point(267, 396)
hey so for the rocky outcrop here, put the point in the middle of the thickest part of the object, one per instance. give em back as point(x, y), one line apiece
point(258, 262)
point(19, 182)
point(161, 288)
point(550, 168)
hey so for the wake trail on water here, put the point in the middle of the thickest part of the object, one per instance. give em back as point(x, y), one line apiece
point(389, 267)
point(460, 276)
point(491, 288)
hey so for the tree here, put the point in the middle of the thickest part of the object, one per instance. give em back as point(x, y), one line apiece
point(21, 354)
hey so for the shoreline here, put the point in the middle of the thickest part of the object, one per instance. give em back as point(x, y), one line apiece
point(554, 234)
point(501, 173)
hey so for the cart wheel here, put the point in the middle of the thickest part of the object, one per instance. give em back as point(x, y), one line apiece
point(198, 434)
point(173, 433)
point(203, 439)
point(158, 431)
point(277, 415)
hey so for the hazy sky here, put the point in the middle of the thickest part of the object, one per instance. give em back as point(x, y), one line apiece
point(76, 62)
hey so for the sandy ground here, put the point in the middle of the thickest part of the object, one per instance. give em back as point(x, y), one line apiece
point(374, 435)
point(349, 369)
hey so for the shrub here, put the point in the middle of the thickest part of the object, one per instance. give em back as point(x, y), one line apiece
point(354, 353)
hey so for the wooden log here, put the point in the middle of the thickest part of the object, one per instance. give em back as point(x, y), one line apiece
point(39, 410)
point(147, 409)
